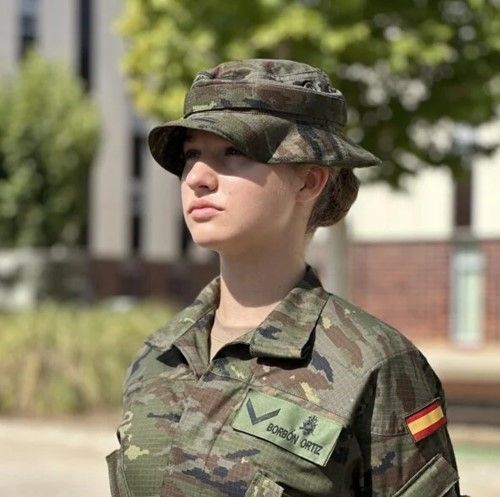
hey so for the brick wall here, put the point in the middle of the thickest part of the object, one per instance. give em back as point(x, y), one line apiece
point(491, 250)
point(404, 284)
point(178, 283)
point(408, 286)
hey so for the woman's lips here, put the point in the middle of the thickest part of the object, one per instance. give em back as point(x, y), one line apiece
point(203, 213)
point(202, 209)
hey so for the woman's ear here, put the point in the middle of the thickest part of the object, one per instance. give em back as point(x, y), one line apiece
point(312, 181)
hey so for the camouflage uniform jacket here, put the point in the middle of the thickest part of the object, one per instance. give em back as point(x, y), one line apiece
point(321, 399)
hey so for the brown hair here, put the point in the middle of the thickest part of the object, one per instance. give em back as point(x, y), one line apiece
point(335, 200)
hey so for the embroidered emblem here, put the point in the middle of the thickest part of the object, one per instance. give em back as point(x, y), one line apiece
point(309, 425)
point(426, 421)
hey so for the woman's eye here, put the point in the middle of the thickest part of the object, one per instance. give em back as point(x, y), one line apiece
point(233, 151)
point(190, 154)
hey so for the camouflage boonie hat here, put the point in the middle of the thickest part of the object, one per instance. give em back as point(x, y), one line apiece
point(274, 111)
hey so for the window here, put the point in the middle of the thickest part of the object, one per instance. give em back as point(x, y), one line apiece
point(463, 202)
point(29, 25)
point(136, 190)
point(85, 31)
point(468, 293)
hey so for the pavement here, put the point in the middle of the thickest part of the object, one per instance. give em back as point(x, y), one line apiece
point(477, 449)
point(58, 458)
point(54, 458)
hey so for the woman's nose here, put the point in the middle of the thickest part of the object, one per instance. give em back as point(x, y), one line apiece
point(201, 176)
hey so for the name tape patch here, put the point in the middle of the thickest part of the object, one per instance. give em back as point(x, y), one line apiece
point(288, 425)
point(426, 421)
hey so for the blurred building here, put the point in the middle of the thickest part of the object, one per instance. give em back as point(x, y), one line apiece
point(426, 260)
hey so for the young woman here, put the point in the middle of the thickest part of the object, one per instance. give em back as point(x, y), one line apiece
point(267, 385)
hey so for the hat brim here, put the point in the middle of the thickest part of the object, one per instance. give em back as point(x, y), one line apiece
point(266, 138)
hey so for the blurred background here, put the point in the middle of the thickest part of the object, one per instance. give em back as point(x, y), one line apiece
point(94, 254)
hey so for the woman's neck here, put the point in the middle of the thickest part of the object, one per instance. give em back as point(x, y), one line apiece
point(251, 287)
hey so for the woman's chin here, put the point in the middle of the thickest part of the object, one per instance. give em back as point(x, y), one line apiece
point(208, 242)
point(223, 245)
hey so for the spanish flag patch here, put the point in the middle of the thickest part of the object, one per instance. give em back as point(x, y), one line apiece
point(426, 421)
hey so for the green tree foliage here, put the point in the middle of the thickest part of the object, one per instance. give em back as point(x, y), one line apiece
point(48, 139)
point(406, 68)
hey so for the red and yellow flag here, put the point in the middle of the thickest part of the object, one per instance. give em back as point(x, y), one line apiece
point(426, 421)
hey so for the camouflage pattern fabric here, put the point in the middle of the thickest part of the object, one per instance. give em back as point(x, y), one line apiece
point(274, 111)
point(313, 402)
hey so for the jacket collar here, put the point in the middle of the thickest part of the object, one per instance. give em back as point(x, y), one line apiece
point(205, 302)
point(283, 334)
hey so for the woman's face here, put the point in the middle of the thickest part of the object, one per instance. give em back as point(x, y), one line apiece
point(232, 203)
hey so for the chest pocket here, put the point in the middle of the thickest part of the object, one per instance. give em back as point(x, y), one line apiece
point(263, 486)
point(435, 479)
point(117, 481)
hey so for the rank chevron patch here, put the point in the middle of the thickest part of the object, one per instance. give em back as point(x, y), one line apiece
point(254, 419)
point(426, 421)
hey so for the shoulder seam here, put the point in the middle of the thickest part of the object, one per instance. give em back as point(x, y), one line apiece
point(385, 360)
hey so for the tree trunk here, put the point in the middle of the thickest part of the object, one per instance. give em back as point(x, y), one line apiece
point(327, 253)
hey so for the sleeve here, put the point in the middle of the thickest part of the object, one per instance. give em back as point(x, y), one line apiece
point(405, 448)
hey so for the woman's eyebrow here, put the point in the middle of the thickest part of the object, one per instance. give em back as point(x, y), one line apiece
point(189, 141)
